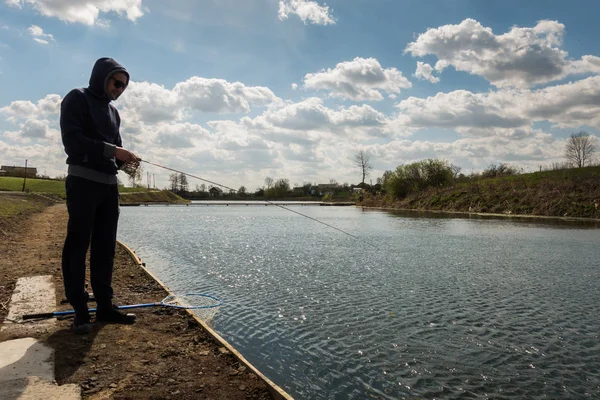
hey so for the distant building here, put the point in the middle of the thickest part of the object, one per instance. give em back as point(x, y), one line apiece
point(19, 172)
point(215, 191)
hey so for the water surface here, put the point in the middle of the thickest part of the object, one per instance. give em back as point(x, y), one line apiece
point(421, 306)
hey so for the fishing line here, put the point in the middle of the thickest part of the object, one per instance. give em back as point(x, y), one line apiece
point(267, 201)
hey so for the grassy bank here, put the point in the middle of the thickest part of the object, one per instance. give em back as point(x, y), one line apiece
point(17, 204)
point(562, 193)
point(154, 196)
point(56, 189)
point(11, 184)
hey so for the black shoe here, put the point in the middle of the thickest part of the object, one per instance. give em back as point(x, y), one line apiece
point(81, 324)
point(113, 316)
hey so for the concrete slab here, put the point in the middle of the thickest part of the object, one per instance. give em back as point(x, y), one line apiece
point(27, 365)
point(22, 358)
point(35, 388)
point(32, 295)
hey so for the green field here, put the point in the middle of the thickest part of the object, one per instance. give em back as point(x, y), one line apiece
point(45, 186)
point(11, 184)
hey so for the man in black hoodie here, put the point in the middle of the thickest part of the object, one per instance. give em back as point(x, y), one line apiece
point(90, 133)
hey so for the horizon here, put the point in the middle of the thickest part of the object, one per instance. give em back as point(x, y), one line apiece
point(236, 92)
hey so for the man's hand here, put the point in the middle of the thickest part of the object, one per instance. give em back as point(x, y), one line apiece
point(125, 155)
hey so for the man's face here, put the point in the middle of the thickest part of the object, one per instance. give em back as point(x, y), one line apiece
point(116, 85)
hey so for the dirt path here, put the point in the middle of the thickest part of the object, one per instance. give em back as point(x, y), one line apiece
point(165, 355)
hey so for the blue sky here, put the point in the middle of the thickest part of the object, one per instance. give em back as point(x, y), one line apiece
point(237, 91)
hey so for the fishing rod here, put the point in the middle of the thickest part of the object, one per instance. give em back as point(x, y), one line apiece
point(267, 201)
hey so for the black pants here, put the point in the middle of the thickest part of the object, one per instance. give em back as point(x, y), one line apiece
point(93, 216)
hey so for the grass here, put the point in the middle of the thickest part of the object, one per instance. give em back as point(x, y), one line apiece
point(565, 193)
point(57, 188)
point(162, 196)
point(11, 184)
point(12, 205)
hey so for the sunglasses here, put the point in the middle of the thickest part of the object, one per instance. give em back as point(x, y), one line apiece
point(119, 84)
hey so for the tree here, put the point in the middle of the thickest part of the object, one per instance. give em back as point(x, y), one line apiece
point(183, 183)
point(242, 190)
point(362, 161)
point(268, 182)
point(278, 189)
point(174, 181)
point(412, 178)
point(580, 149)
point(502, 169)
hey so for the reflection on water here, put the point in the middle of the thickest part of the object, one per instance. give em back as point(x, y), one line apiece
point(443, 307)
point(539, 221)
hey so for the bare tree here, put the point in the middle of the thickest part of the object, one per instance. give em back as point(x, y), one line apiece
point(580, 149)
point(268, 182)
point(174, 181)
point(362, 161)
point(183, 183)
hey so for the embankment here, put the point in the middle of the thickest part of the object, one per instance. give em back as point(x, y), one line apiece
point(565, 193)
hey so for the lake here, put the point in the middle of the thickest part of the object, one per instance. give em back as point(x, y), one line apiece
point(419, 306)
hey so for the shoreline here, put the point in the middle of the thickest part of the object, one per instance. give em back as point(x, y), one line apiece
point(277, 392)
point(481, 214)
point(167, 353)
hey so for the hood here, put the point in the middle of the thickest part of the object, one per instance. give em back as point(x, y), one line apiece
point(103, 69)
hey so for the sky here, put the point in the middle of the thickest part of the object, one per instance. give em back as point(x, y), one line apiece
point(235, 91)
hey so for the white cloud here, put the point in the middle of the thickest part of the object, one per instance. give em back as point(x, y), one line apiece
point(308, 11)
point(21, 110)
point(152, 103)
point(425, 71)
point(456, 109)
point(49, 105)
point(568, 105)
point(39, 35)
point(474, 153)
point(180, 135)
point(34, 129)
point(312, 115)
point(521, 57)
point(359, 79)
point(220, 96)
point(83, 11)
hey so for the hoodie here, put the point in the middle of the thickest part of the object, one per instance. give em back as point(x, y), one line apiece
point(90, 125)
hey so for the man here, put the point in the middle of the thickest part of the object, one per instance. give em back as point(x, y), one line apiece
point(90, 133)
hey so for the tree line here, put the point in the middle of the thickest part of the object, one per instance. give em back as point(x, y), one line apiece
point(408, 178)
point(415, 177)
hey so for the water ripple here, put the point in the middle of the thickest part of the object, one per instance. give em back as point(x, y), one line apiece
point(446, 308)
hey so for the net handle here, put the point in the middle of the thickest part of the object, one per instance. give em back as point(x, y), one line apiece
point(164, 302)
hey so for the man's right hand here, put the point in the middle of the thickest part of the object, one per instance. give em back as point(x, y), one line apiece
point(125, 155)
